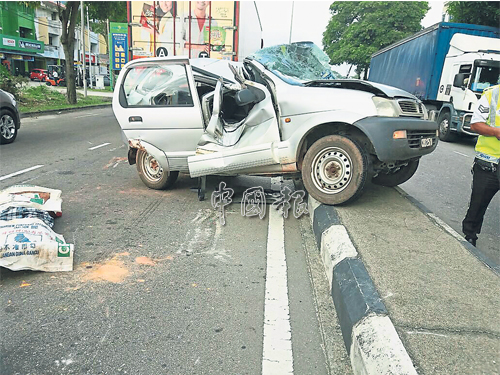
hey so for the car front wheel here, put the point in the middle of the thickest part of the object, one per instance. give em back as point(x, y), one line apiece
point(8, 130)
point(444, 122)
point(151, 172)
point(335, 170)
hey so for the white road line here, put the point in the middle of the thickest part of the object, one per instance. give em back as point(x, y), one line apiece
point(86, 116)
point(104, 144)
point(459, 153)
point(20, 172)
point(277, 357)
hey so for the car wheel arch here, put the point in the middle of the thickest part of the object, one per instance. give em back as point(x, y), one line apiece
point(331, 128)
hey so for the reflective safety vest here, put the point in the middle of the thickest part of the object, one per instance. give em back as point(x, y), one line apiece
point(488, 148)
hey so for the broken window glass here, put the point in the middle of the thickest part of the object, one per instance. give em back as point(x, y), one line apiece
point(296, 63)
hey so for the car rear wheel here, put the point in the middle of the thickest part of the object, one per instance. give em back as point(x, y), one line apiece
point(335, 170)
point(403, 174)
point(151, 172)
point(8, 129)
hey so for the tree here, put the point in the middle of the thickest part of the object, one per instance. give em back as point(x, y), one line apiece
point(68, 15)
point(475, 12)
point(357, 29)
point(102, 11)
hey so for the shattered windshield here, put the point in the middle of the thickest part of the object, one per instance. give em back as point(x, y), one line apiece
point(296, 63)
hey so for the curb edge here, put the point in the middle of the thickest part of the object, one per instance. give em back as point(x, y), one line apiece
point(57, 111)
point(371, 340)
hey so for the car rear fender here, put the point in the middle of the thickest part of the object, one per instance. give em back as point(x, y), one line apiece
point(159, 155)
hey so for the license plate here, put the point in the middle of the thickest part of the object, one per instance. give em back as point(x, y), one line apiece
point(426, 142)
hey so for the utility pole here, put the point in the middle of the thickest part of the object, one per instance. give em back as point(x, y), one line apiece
point(84, 75)
point(90, 51)
point(291, 26)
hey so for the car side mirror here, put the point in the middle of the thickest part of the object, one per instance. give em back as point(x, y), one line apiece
point(459, 80)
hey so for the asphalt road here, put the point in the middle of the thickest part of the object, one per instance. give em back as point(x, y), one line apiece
point(443, 184)
point(159, 285)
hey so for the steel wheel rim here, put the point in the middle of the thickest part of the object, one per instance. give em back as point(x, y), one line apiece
point(152, 168)
point(331, 170)
point(7, 127)
point(444, 125)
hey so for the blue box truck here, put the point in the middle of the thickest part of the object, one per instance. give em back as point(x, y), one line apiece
point(447, 66)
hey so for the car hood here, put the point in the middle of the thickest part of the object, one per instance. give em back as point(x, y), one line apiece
point(357, 84)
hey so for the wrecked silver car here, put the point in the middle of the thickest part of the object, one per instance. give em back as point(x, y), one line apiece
point(280, 112)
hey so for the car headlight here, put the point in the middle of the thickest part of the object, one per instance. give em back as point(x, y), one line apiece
point(424, 110)
point(385, 107)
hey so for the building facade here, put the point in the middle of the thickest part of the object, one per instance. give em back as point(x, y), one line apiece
point(31, 38)
point(20, 49)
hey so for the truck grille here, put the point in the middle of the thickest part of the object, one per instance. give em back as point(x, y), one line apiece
point(414, 137)
point(411, 108)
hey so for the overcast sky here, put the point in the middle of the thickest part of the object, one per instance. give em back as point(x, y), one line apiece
point(309, 21)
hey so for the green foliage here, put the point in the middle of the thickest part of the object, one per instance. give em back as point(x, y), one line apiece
point(485, 13)
point(102, 11)
point(9, 83)
point(43, 98)
point(357, 29)
point(115, 11)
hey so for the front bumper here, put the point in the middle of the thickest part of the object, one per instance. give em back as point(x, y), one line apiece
point(380, 131)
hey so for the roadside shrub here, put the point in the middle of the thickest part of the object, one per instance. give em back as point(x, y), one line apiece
point(10, 83)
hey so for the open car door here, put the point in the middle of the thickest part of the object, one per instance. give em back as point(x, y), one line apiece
point(241, 134)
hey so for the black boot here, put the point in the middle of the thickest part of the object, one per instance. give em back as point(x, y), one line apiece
point(472, 241)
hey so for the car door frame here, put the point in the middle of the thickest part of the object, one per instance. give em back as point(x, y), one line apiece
point(177, 139)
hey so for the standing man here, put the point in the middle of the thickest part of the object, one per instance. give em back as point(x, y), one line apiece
point(486, 173)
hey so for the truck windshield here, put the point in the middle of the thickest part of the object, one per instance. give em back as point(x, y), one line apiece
point(296, 63)
point(485, 77)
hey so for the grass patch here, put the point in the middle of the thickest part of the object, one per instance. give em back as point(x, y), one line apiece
point(42, 98)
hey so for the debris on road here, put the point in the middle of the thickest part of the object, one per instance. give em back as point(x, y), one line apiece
point(27, 241)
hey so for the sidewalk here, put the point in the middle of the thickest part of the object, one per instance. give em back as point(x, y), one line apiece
point(443, 302)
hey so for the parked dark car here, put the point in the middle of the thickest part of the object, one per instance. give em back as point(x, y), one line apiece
point(38, 75)
point(10, 120)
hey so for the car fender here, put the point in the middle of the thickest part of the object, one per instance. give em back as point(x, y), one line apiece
point(296, 129)
point(158, 154)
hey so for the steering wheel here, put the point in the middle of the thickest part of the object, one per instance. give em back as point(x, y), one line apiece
point(161, 99)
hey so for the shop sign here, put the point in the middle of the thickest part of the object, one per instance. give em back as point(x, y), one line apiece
point(2, 56)
point(92, 58)
point(29, 45)
point(119, 50)
point(9, 42)
point(17, 57)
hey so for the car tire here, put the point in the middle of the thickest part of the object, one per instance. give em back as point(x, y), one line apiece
point(335, 170)
point(403, 174)
point(8, 127)
point(150, 172)
point(444, 127)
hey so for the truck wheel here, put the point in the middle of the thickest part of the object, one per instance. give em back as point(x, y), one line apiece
point(152, 174)
point(403, 174)
point(444, 126)
point(335, 170)
point(8, 129)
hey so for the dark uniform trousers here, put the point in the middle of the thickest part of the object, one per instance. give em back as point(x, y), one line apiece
point(485, 184)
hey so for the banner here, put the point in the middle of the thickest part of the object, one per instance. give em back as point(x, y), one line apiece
point(119, 45)
point(187, 28)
